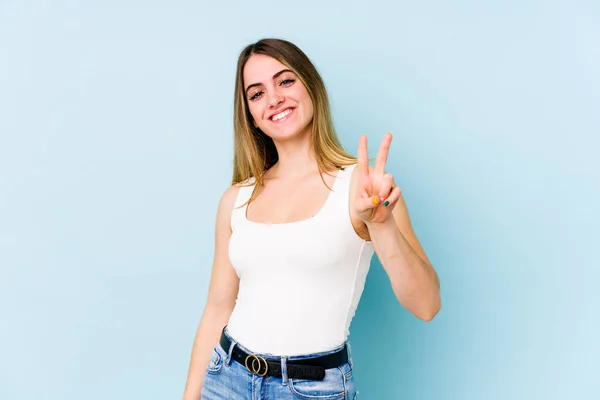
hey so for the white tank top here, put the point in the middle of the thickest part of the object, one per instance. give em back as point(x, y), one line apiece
point(300, 282)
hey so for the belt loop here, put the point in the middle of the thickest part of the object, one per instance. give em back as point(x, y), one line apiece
point(349, 351)
point(284, 375)
point(228, 358)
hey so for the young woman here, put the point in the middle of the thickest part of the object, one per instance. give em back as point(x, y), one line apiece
point(295, 235)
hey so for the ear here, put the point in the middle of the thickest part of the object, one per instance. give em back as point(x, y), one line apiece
point(254, 123)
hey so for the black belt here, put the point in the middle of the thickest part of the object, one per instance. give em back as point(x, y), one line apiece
point(308, 368)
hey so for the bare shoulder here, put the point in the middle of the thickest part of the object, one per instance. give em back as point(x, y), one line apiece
point(228, 199)
point(230, 194)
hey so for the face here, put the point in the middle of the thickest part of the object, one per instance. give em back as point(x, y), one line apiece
point(278, 101)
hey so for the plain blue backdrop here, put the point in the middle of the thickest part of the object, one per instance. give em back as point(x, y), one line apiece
point(116, 145)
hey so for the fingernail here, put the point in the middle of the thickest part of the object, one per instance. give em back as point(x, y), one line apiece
point(375, 200)
point(387, 203)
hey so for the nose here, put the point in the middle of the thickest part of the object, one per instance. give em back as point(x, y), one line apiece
point(274, 98)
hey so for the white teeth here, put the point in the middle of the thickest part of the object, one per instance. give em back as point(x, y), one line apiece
point(281, 115)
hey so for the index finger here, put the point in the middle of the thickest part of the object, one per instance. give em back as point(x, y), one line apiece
point(363, 156)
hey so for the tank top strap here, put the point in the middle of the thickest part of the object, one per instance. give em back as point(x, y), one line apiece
point(342, 184)
point(340, 194)
point(238, 214)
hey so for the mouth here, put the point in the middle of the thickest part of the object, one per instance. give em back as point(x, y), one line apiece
point(282, 116)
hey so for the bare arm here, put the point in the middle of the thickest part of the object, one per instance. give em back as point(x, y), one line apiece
point(222, 293)
point(378, 206)
point(413, 278)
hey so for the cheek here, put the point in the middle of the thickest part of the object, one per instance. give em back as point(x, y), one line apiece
point(308, 109)
point(254, 112)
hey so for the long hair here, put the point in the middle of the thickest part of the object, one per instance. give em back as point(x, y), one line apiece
point(254, 151)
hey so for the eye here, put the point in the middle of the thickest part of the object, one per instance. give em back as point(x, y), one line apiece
point(255, 95)
point(287, 82)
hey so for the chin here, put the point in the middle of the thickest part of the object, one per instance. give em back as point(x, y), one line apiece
point(292, 134)
point(286, 132)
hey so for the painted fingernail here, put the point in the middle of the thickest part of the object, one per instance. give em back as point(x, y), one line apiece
point(375, 200)
point(386, 203)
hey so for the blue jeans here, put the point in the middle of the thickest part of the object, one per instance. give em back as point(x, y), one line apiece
point(226, 379)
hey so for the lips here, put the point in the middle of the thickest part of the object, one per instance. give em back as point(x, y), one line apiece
point(282, 115)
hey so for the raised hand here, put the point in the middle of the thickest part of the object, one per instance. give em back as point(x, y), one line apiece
point(376, 193)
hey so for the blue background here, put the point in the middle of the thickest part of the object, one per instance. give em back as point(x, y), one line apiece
point(116, 144)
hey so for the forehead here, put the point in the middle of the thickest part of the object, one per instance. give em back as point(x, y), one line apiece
point(260, 68)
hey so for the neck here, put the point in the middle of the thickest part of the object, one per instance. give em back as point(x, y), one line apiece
point(296, 158)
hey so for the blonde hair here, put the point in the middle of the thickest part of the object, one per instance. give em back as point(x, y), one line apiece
point(254, 151)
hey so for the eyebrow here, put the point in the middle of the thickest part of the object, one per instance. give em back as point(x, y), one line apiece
point(274, 77)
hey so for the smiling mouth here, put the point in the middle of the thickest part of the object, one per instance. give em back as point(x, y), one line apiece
point(282, 116)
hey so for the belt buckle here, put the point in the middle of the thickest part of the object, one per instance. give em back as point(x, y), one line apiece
point(256, 366)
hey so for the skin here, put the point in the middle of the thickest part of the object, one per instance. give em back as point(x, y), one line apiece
point(294, 184)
